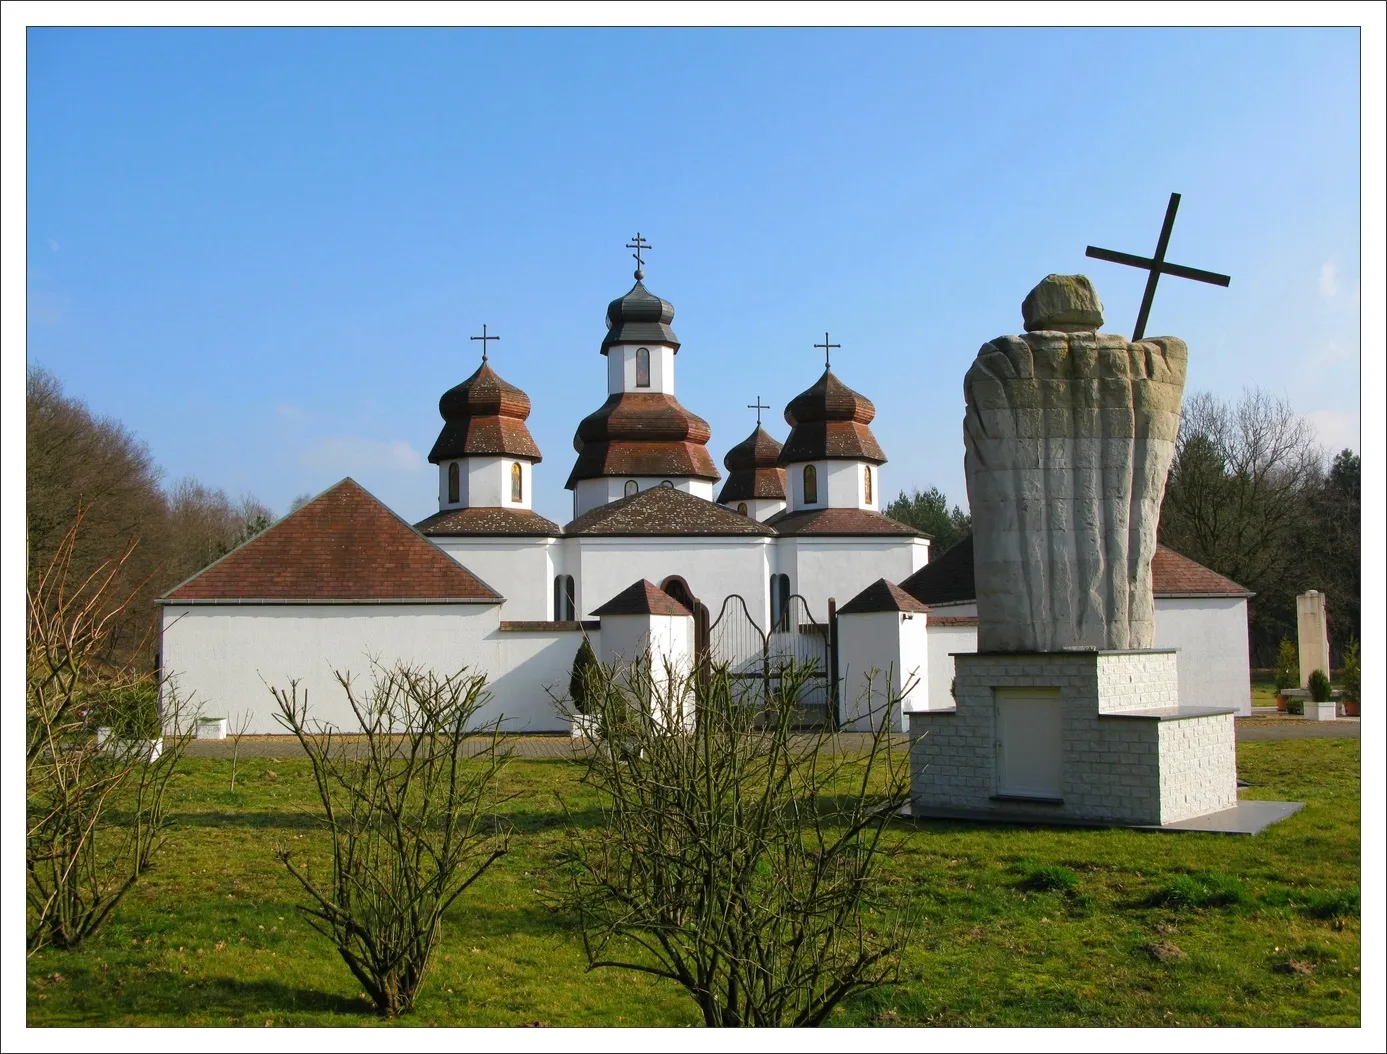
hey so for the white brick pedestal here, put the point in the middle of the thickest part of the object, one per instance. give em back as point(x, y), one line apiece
point(1128, 752)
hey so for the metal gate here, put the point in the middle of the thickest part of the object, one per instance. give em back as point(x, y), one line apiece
point(755, 658)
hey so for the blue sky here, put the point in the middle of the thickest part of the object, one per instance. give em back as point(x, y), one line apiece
point(264, 250)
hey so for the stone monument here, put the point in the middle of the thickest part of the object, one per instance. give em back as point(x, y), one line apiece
point(1312, 631)
point(1065, 713)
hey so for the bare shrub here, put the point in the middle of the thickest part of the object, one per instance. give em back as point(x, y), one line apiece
point(405, 801)
point(735, 856)
point(95, 811)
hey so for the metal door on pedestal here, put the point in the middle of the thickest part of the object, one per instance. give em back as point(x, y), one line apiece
point(1030, 747)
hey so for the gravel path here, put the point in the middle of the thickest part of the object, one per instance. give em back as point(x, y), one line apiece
point(565, 747)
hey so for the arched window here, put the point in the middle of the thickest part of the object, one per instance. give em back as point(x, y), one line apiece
point(780, 603)
point(867, 483)
point(454, 483)
point(517, 482)
point(667, 484)
point(741, 507)
point(642, 367)
point(632, 487)
point(811, 485)
point(564, 606)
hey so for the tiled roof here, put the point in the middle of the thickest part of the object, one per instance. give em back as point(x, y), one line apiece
point(753, 471)
point(642, 434)
point(639, 317)
point(949, 579)
point(642, 598)
point(1176, 575)
point(881, 595)
point(664, 511)
point(342, 546)
point(829, 420)
point(488, 520)
point(855, 522)
point(484, 415)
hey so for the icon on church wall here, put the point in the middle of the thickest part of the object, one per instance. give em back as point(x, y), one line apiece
point(454, 483)
point(642, 367)
point(517, 482)
point(811, 485)
point(867, 483)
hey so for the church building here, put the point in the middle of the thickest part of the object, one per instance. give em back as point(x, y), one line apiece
point(764, 554)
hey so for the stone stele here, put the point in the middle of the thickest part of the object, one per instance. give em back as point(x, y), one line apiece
point(1068, 438)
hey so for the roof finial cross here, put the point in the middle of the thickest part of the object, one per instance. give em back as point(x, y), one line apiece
point(640, 245)
point(758, 406)
point(484, 338)
point(827, 346)
point(1157, 267)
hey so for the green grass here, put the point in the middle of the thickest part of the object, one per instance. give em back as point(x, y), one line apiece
point(1016, 925)
point(1264, 687)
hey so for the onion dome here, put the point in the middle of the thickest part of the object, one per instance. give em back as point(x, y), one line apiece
point(753, 470)
point(829, 421)
point(484, 415)
point(642, 434)
point(639, 317)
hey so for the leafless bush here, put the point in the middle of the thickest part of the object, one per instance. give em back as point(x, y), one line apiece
point(736, 857)
point(95, 811)
point(236, 729)
point(406, 809)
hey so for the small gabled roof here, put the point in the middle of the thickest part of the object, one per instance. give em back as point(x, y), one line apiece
point(343, 546)
point(882, 595)
point(642, 598)
point(664, 511)
point(1173, 575)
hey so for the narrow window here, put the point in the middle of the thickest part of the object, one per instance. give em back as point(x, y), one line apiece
point(563, 599)
point(811, 485)
point(741, 507)
point(666, 484)
point(642, 367)
point(780, 603)
point(517, 482)
point(867, 483)
point(454, 483)
point(632, 487)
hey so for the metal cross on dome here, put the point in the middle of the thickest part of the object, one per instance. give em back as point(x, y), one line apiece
point(827, 346)
point(484, 338)
point(1157, 266)
point(758, 406)
point(640, 245)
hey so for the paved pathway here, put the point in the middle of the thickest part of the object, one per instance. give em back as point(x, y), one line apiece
point(565, 747)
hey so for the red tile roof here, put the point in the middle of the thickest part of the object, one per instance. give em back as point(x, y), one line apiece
point(753, 470)
point(488, 520)
point(949, 579)
point(881, 595)
point(664, 511)
point(642, 598)
point(829, 420)
point(484, 415)
point(342, 546)
point(642, 434)
point(850, 522)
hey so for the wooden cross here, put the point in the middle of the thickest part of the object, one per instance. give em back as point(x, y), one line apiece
point(1157, 266)
point(826, 346)
point(758, 406)
point(484, 338)
point(640, 245)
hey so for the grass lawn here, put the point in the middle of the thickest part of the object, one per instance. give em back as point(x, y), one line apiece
point(1017, 926)
point(1263, 687)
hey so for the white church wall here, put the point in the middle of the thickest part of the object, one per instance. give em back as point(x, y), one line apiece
point(520, 569)
point(847, 485)
point(820, 568)
point(533, 668)
point(714, 568)
point(1210, 638)
point(621, 368)
point(224, 656)
point(589, 494)
point(944, 639)
point(443, 502)
point(794, 484)
point(666, 639)
point(882, 654)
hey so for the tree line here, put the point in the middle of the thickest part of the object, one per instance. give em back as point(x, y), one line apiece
point(81, 465)
point(1250, 495)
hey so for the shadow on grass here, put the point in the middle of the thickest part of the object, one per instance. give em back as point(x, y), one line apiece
point(288, 819)
point(256, 999)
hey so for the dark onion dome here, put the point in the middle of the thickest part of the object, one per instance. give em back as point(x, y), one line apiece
point(639, 317)
point(753, 470)
point(487, 520)
point(664, 511)
point(829, 421)
point(642, 434)
point(484, 415)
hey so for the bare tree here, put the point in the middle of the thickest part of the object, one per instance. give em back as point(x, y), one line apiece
point(237, 728)
point(95, 812)
point(734, 858)
point(406, 808)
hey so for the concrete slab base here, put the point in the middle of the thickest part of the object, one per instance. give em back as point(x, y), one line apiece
point(1247, 817)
